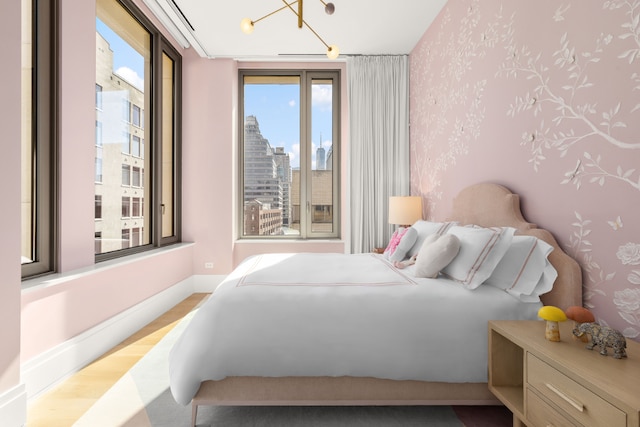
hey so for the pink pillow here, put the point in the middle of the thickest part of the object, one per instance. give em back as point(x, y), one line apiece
point(395, 241)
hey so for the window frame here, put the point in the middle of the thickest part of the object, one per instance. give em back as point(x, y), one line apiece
point(306, 79)
point(159, 45)
point(44, 138)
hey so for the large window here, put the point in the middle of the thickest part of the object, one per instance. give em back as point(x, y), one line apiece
point(38, 136)
point(289, 154)
point(137, 100)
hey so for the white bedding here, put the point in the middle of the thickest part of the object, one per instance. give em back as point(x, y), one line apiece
point(379, 322)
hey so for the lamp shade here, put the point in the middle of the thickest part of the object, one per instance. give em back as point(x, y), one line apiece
point(405, 210)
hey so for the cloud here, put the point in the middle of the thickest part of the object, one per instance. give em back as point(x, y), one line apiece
point(322, 96)
point(292, 103)
point(131, 76)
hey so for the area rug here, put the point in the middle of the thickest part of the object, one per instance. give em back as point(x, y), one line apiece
point(141, 398)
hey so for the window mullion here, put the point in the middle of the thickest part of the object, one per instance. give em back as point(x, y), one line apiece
point(305, 154)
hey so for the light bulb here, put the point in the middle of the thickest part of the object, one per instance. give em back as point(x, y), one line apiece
point(246, 25)
point(333, 52)
point(329, 8)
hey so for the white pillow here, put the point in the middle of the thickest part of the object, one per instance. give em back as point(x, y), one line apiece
point(406, 242)
point(436, 253)
point(481, 249)
point(525, 271)
point(427, 228)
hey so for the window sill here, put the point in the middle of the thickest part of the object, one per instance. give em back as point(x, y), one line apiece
point(50, 280)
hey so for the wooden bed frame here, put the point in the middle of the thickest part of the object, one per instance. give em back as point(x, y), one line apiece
point(484, 204)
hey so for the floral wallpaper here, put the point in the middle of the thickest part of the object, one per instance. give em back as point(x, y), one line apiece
point(544, 98)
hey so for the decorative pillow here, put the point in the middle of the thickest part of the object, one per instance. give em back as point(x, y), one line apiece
point(427, 228)
point(406, 242)
point(525, 271)
point(394, 241)
point(436, 253)
point(481, 249)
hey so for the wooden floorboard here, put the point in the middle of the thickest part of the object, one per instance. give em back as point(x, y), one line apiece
point(64, 404)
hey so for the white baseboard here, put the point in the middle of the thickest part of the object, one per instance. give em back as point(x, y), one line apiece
point(49, 368)
point(206, 283)
point(13, 407)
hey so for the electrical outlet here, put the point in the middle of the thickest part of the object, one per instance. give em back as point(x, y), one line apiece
point(208, 265)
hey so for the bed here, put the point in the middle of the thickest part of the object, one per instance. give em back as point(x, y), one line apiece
point(287, 348)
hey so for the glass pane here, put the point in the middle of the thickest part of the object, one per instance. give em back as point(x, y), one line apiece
point(271, 191)
point(168, 144)
point(28, 199)
point(321, 156)
point(122, 86)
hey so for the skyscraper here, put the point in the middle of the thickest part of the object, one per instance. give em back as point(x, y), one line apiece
point(267, 174)
point(320, 159)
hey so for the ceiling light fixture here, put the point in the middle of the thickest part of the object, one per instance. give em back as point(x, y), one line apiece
point(247, 25)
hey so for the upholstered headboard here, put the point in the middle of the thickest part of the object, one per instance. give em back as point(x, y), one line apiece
point(492, 205)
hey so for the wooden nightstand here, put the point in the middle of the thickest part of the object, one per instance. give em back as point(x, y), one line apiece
point(561, 383)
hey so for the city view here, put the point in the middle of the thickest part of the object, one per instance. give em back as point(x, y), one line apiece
point(272, 187)
point(289, 178)
point(288, 188)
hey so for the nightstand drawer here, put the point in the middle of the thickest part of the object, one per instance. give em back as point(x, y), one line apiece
point(579, 402)
point(539, 414)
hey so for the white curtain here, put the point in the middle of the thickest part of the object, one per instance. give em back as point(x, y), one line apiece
point(379, 144)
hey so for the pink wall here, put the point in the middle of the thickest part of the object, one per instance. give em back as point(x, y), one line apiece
point(542, 97)
point(208, 152)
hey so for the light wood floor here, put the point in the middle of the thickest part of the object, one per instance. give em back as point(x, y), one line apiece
point(68, 401)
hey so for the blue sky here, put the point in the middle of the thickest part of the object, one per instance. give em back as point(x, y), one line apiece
point(127, 62)
point(277, 108)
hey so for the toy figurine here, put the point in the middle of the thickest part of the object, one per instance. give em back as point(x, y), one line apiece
point(603, 337)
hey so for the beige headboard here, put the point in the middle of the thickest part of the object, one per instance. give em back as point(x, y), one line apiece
point(492, 205)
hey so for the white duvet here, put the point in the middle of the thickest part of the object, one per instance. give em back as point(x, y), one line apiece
point(336, 315)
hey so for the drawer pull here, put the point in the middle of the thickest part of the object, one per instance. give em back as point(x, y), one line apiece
point(570, 401)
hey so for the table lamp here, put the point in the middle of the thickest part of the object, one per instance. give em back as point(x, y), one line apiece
point(405, 210)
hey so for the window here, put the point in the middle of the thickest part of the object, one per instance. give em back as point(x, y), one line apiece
point(135, 207)
point(135, 177)
point(39, 136)
point(136, 116)
point(126, 207)
point(126, 175)
point(98, 177)
point(126, 239)
point(289, 190)
point(135, 236)
point(97, 242)
point(98, 134)
point(126, 111)
point(133, 79)
point(126, 143)
point(135, 146)
point(98, 97)
point(98, 207)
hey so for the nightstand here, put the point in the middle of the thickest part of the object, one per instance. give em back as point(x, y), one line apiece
point(378, 250)
point(547, 383)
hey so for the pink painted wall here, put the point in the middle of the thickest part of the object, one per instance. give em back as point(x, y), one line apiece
point(209, 110)
point(544, 98)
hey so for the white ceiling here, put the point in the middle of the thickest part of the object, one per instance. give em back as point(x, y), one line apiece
point(358, 27)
